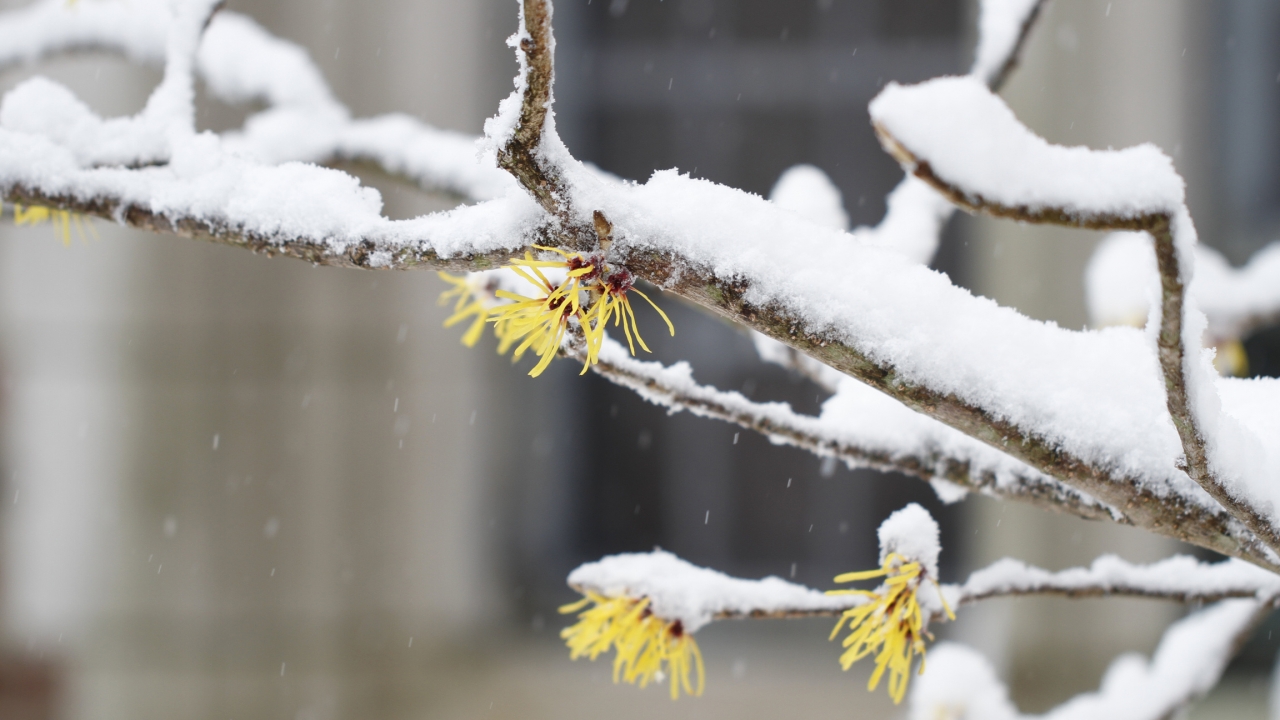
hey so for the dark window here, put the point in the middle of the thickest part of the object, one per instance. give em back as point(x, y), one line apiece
point(774, 19)
point(774, 140)
point(920, 18)
point(644, 20)
point(633, 143)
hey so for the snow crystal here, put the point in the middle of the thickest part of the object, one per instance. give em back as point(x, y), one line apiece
point(913, 533)
point(678, 590)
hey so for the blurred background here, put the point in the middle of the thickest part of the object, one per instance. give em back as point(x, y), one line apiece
point(240, 488)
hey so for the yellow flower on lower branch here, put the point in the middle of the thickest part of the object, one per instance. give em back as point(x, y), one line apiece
point(648, 648)
point(890, 623)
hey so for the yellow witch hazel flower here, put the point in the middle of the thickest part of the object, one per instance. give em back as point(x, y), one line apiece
point(63, 220)
point(570, 289)
point(466, 295)
point(648, 648)
point(891, 623)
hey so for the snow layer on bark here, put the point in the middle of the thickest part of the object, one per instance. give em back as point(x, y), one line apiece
point(1179, 575)
point(241, 62)
point(961, 685)
point(1098, 395)
point(972, 139)
point(694, 595)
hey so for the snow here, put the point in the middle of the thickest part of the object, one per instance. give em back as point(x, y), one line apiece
point(1122, 279)
point(1177, 575)
point(1000, 24)
point(678, 590)
point(808, 192)
point(961, 685)
point(856, 416)
point(913, 533)
point(972, 140)
point(913, 222)
point(1098, 395)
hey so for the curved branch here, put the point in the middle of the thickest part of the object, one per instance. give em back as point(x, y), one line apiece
point(1172, 339)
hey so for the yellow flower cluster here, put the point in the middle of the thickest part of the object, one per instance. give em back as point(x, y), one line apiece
point(645, 644)
point(890, 623)
point(63, 220)
point(539, 323)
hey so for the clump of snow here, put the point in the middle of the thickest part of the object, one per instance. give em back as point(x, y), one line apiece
point(972, 140)
point(1000, 23)
point(39, 106)
point(172, 104)
point(1187, 664)
point(959, 685)
point(807, 191)
point(1122, 280)
point(913, 221)
point(913, 533)
point(679, 590)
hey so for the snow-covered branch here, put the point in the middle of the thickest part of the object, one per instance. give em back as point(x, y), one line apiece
point(961, 684)
point(697, 596)
point(860, 427)
point(1122, 279)
point(867, 313)
point(955, 135)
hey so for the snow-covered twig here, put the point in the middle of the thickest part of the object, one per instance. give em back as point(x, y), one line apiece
point(961, 685)
point(1180, 578)
point(1122, 279)
point(696, 596)
point(933, 452)
point(1026, 179)
point(915, 213)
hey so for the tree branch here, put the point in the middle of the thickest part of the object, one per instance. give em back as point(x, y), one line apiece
point(673, 388)
point(731, 296)
point(1172, 340)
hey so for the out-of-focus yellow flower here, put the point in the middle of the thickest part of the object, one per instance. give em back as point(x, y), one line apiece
point(648, 648)
point(890, 623)
point(63, 220)
point(1231, 359)
point(466, 296)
